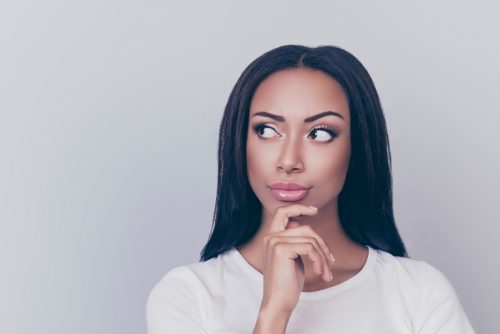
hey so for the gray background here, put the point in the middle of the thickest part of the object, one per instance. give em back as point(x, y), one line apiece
point(109, 116)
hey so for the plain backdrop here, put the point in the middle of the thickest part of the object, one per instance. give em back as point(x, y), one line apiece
point(109, 116)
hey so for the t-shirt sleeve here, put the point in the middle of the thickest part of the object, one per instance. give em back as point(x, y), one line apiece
point(173, 305)
point(442, 312)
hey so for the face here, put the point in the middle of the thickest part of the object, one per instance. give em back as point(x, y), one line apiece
point(299, 132)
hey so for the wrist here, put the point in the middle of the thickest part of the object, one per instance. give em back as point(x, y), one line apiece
point(271, 321)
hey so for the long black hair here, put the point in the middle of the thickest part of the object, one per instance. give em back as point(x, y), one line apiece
point(365, 202)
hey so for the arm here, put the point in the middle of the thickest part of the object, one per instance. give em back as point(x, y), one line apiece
point(270, 322)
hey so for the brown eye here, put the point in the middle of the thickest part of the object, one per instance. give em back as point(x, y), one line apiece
point(325, 133)
point(260, 130)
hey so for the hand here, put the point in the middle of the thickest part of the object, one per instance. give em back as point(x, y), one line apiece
point(284, 246)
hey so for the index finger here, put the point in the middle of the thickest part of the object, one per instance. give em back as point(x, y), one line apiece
point(284, 213)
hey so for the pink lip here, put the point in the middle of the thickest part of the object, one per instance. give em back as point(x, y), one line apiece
point(288, 186)
point(290, 192)
point(289, 195)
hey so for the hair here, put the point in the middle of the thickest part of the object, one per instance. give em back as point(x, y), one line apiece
point(365, 202)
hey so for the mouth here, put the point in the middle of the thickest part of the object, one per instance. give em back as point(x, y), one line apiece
point(289, 195)
point(288, 186)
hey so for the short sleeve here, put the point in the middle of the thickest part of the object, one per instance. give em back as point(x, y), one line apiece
point(441, 312)
point(173, 305)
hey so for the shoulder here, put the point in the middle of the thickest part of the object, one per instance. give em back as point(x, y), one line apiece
point(402, 280)
point(185, 286)
point(177, 281)
point(417, 272)
point(426, 289)
point(404, 270)
point(179, 301)
point(176, 288)
point(182, 283)
point(441, 306)
point(420, 275)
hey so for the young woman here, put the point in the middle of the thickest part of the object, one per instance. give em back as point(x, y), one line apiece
point(304, 238)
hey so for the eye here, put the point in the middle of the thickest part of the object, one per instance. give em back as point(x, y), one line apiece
point(260, 130)
point(326, 134)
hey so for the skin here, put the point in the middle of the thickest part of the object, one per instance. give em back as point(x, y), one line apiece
point(291, 151)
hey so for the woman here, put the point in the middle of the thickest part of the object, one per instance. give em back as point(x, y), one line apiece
point(304, 238)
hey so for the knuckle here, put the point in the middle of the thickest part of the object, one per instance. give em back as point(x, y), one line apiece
point(315, 242)
point(273, 241)
point(312, 240)
point(307, 228)
point(280, 209)
point(279, 248)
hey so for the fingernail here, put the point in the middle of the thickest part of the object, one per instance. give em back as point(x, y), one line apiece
point(330, 256)
point(313, 207)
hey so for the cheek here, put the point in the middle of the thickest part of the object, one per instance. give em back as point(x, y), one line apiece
point(254, 160)
point(258, 159)
point(332, 168)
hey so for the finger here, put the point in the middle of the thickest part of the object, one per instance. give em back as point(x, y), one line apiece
point(283, 213)
point(307, 231)
point(292, 224)
point(300, 239)
point(294, 250)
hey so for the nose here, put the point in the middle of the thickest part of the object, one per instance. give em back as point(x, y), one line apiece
point(290, 159)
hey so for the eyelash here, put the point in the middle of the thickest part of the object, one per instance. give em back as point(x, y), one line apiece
point(329, 130)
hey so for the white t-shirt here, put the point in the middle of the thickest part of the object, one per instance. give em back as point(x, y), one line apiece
point(390, 294)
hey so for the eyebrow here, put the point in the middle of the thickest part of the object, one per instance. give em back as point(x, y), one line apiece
point(307, 120)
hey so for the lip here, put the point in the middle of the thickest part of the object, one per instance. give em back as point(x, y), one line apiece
point(288, 186)
point(289, 195)
point(289, 192)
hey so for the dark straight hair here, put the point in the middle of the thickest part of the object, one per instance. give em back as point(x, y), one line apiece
point(365, 202)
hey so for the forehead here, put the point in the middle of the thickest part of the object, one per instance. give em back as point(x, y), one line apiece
point(300, 91)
